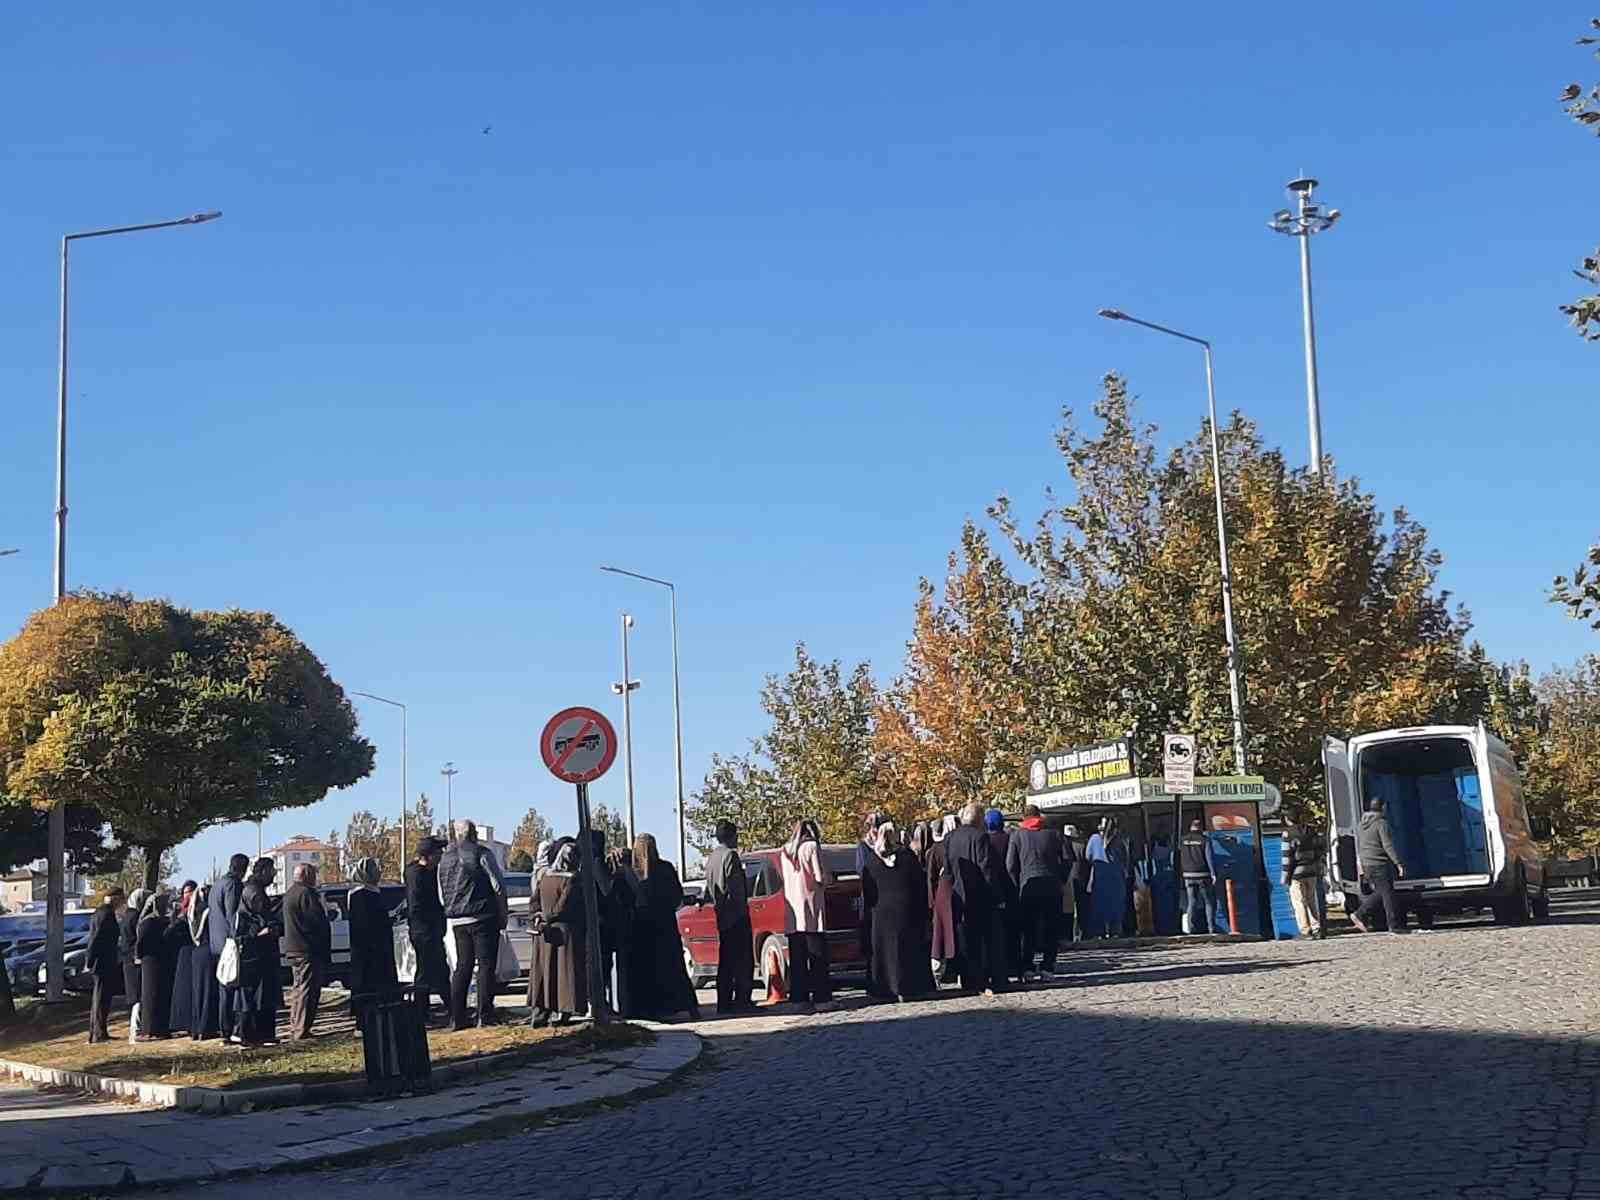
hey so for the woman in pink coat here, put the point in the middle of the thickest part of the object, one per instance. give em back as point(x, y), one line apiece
point(804, 884)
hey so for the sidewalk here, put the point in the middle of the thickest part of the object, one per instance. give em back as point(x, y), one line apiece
point(52, 1142)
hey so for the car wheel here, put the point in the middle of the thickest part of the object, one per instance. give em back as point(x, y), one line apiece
point(1541, 905)
point(1515, 908)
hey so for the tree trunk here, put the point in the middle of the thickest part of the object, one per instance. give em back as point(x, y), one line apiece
point(152, 866)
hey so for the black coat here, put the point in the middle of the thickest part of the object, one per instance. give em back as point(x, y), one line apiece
point(1037, 854)
point(658, 986)
point(306, 933)
point(223, 906)
point(896, 897)
point(424, 911)
point(978, 879)
point(372, 970)
point(102, 958)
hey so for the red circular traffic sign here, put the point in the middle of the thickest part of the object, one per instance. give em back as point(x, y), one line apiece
point(579, 745)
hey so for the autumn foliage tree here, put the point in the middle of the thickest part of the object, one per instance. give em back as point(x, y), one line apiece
point(1583, 106)
point(815, 760)
point(165, 721)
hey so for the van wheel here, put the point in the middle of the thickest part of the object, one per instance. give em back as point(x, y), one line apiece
point(1517, 908)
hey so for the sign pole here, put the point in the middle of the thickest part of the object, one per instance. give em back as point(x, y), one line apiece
point(591, 912)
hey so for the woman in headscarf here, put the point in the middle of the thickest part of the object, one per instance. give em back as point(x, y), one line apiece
point(204, 997)
point(558, 983)
point(994, 821)
point(372, 971)
point(864, 844)
point(180, 956)
point(258, 994)
point(1108, 881)
point(658, 984)
point(896, 894)
point(128, 946)
point(804, 891)
point(155, 981)
point(941, 889)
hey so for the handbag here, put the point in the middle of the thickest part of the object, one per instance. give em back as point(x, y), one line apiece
point(554, 934)
point(228, 964)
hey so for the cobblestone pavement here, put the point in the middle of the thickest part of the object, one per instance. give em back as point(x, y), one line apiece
point(1462, 1062)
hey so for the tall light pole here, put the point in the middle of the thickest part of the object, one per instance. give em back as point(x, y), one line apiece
point(1302, 222)
point(56, 849)
point(450, 774)
point(626, 689)
point(405, 793)
point(677, 712)
point(1113, 314)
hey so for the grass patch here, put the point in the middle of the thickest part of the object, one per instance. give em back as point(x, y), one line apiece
point(55, 1035)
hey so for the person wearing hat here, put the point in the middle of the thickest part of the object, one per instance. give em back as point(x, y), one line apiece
point(426, 925)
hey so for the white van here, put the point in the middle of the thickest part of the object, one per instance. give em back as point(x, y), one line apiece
point(1454, 799)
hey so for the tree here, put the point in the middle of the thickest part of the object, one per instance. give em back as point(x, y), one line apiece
point(519, 860)
point(24, 837)
point(1581, 593)
point(135, 873)
point(167, 721)
point(371, 836)
point(1585, 109)
point(532, 832)
point(421, 825)
point(955, 727)
point(816, 759)
point(613, 824)
point(1340, 623)
point(332, 869)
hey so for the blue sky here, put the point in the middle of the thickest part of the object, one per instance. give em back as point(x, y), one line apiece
point(765, 298)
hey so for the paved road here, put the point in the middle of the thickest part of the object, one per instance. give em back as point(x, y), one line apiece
point(1462, 1063)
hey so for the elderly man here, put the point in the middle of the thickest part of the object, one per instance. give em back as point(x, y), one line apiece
point(474, 900)
point(308, 945)
point(978, 891)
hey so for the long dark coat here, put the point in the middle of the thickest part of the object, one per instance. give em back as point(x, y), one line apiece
point(372, 969)
point(658, 983)
point(897, 898)
point(155, 980)
point(559, 980)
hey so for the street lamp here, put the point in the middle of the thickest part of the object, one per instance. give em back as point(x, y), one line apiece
point(56, 850)
point(449, 772)
point(1113, 314)
point(626, 689)
point(677, 711)
point(405, 793)
point(1302, 222)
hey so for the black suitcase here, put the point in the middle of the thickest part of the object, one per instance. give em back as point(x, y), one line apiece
point(394, 1043)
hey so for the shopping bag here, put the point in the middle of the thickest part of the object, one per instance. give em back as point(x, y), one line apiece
point(228, 964)
point(506, 966)
point(133, 1023)
point(405, 956)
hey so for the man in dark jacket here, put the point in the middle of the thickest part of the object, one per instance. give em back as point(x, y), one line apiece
point(425, 925)
point(978, 889)
point(104, 935)
point(473, 896)
point(1381, 865)
point(1078, 873)
point(222, 908)
point(308, 945)
point(1304, 852)
point(1199, 871)
point(728, 893)
point(1037, 859)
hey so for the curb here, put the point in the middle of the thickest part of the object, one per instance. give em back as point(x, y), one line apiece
point(236, 1100)
point(605, 1077)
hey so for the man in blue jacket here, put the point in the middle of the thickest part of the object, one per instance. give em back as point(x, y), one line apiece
point(221, 909)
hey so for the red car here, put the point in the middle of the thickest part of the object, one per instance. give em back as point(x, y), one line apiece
point(698, 925)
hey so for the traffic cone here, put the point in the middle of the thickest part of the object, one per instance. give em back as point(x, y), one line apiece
point(772, 968)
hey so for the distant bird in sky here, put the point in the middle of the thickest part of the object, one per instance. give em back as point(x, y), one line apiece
point(487, 128)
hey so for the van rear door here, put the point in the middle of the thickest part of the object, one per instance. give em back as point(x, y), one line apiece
point(1344, 816)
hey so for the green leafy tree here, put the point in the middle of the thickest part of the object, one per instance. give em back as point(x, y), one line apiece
point(370, 836)
point(166, 721)
point(519, 860)
point(332, 869)
point(1584, 107)
point(1581, 593)
point(1341, 624)
point(421, 825)
point(816, 759)
point(135, 873)
point(613, 824)
point(531, 832)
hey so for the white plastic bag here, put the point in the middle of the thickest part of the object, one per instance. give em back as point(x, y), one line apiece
point(133, 1023)
point(506, 966)
point(228, 964)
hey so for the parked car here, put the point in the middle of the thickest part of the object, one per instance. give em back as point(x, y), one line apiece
point(697, 923)
point(1453, 796)
point(22, 945)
